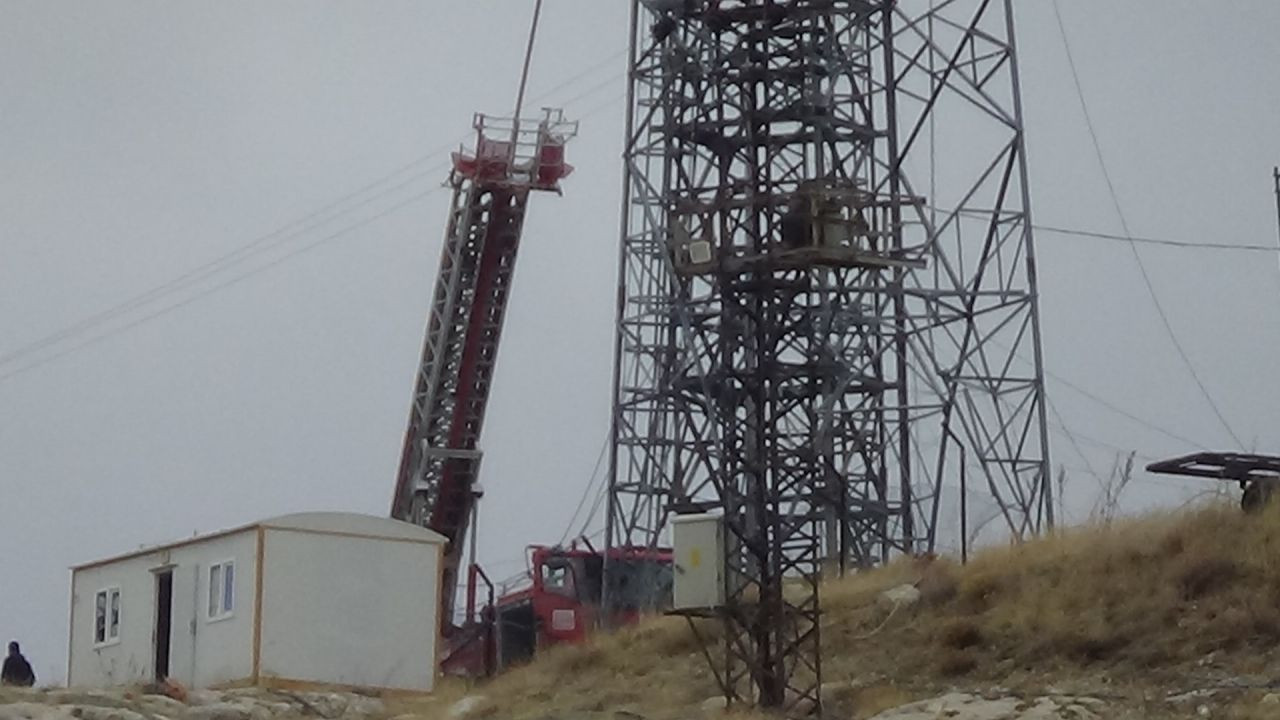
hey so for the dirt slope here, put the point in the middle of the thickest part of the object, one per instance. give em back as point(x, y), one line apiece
point(1174, 615)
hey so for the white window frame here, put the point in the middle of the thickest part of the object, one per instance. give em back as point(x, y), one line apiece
point(110, 625)
point(217, 608)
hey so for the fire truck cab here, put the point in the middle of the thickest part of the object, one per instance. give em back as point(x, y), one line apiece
point(561, 601)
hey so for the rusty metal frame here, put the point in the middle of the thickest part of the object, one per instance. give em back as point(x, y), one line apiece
point(825, 406)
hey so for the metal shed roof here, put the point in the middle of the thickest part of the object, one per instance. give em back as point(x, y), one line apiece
point(328, 523)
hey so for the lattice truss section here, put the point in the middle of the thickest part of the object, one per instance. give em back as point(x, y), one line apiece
point(442, 457)
point(827, 312)
point(974, 348)
point(922, 120)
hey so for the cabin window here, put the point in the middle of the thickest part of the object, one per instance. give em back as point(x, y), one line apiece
point(222, 589)
point(106, 616)
point(557, 577)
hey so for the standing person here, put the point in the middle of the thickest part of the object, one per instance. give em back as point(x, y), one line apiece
point(17, 671)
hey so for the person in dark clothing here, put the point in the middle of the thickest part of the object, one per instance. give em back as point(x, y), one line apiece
point(17, 671)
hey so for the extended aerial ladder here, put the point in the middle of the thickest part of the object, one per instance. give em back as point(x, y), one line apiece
point(436, 485)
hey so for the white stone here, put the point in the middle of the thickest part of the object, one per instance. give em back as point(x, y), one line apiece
point(902, 595)
point(466, 707)
point(95, 712)
point(1200, 694)
point(219, 711)
point(203, 697)
point(716, 704)
point(963, 706)
point(25, 711)
point(257, 710)
point(161, 704)
point(365, 705)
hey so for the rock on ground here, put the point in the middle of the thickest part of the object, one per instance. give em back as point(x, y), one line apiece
point(240, 704)
point(715, 705)
point(903, 595)
point(466, 707)
point(963, 706)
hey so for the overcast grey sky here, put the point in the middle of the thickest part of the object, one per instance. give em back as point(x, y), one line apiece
point(139, 140)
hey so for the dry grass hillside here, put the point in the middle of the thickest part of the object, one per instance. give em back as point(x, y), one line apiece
point(1134, 612)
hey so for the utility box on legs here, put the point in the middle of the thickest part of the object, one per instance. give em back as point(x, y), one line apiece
point(699, 561)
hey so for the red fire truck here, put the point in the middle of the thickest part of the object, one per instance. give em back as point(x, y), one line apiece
point(558, 601)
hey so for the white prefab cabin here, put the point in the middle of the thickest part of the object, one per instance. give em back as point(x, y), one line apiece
point(328, 599)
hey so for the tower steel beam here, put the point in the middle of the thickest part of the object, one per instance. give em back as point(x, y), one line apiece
point(826, 298)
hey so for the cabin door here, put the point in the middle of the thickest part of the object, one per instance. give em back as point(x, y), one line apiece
point(176, 600)
point(164, 623)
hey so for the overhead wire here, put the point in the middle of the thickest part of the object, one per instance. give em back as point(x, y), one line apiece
point(596, 477)
point(1104, 445)
point(586, 492)
point(258, 245)
point(317, 219)
point(601, 494)
point(1115, 199)
point(591, 68)
point(1071, 438)
point(1159, 241)
point(1123, 412)
point(220, 286)
point(1106, 403)
point(263, 243)
point(595, 88)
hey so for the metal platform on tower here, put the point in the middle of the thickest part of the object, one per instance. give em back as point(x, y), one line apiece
point(1257, 475)
point(825, 225)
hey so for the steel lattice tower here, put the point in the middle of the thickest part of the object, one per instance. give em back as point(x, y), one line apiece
point(826, 306)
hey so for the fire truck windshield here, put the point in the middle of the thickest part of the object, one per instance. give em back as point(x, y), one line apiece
point(557, 577)
point(573, 577)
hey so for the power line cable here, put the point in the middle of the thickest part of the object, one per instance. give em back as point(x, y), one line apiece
point(268, 241)
point(1103, 444)
point(220, 286)
point(1075, 444)
point(1115, 199)
point(591, 515)
point(171, 287)
point(1106, 403)
point(594, 89)
point(1122, 412)
point(591, 68)
point(1130, 239)
point(1158, 241)
point(595, 507)
point(209, 269)
point(586, 492)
